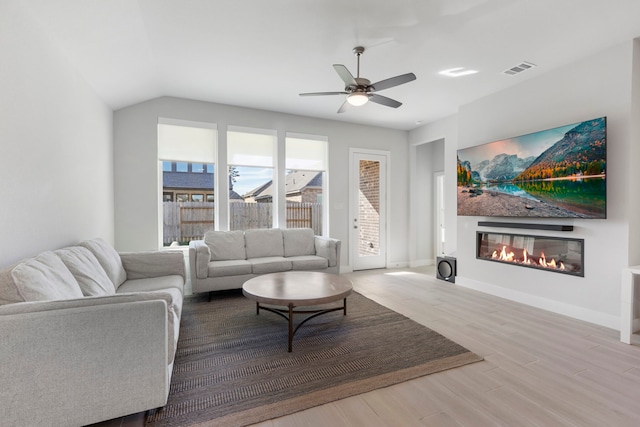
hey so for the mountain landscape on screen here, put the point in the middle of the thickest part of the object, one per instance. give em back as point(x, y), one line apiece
point(556, 173)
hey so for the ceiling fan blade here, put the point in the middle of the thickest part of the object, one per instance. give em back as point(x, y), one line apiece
point(394, 81)
point(383, 100)
point(345, 75)
point(322, 93)
point(344, 107)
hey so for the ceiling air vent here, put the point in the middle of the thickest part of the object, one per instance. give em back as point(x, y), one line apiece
point(524, 66)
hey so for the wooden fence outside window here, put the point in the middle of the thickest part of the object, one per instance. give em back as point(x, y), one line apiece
point(186, 221)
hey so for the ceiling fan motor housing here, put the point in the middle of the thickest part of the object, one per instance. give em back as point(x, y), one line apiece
point(362, 85)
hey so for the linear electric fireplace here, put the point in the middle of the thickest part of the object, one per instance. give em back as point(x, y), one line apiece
point(556, 254)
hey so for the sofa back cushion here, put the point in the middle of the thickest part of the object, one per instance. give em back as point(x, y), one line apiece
point(298, 242)
point(86, 269)
point(264, 242)
point(45, 278)
point(225, 245)
point(8, 292)
point(108, 259)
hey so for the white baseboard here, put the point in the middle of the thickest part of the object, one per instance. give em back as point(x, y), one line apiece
point(345, 269)
point(398, 264)
point(573, 311)
point(421, 263)
point(394, 264)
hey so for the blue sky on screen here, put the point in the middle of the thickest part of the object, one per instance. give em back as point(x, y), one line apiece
point(532, 144)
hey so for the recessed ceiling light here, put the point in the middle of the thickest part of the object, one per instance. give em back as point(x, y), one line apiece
point(457, 72)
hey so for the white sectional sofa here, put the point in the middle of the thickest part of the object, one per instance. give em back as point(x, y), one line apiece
point(227, 259)
point(88, 334)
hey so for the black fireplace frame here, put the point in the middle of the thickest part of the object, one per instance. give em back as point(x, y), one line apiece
point(535, 267)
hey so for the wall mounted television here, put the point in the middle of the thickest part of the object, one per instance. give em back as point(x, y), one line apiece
point(554, 173)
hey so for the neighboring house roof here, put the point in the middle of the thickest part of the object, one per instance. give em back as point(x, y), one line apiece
point(197, 180)
point(257, 191)
point(235, 196)
point(295, 182)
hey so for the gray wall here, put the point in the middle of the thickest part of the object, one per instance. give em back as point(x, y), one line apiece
point(444, 134)
point(429, 159)
point(56, 166)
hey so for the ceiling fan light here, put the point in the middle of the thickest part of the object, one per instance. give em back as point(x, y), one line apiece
point(357, 99)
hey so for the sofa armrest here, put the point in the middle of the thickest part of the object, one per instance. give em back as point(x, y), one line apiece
point(88, 302)
point(142, 265)
point(199, 257)
point(77, 362)
point(329, 248)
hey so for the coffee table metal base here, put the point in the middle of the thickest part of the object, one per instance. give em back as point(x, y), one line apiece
point(288, 315)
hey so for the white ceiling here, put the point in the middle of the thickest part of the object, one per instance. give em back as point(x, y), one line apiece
point(263, 53)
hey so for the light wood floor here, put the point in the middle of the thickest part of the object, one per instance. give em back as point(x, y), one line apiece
point(540, 369)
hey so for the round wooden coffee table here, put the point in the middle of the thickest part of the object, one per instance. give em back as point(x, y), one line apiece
point(293, 289)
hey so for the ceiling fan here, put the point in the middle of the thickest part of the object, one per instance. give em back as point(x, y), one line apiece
point(359, 90)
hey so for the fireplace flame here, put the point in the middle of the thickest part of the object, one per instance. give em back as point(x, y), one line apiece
point(503, 256)
point(526, 259)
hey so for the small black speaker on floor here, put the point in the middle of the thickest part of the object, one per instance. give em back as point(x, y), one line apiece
point(446, 269)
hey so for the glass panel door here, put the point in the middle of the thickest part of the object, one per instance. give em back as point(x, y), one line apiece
point(368, 226)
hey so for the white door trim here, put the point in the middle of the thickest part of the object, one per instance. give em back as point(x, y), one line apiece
point(439, 213)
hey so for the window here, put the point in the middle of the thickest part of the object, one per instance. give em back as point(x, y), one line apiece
point(186, 152)
point(187, 161)
point(305, 181)
point(250, 154)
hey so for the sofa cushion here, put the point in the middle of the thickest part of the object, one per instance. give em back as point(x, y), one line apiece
point(150, 284)
point(308, 262)
point(8, 291)
point(86, 269)
point(45, 278)
point(264, 243)
point(229, 268)
point(225, 245)
point(108, 259)
point(298, 241)
point(266, 265)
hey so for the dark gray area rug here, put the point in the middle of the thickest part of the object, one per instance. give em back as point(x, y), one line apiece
point(232, 367)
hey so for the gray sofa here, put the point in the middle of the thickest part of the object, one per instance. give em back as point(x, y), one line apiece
point(88, 334)
point(227, 259)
